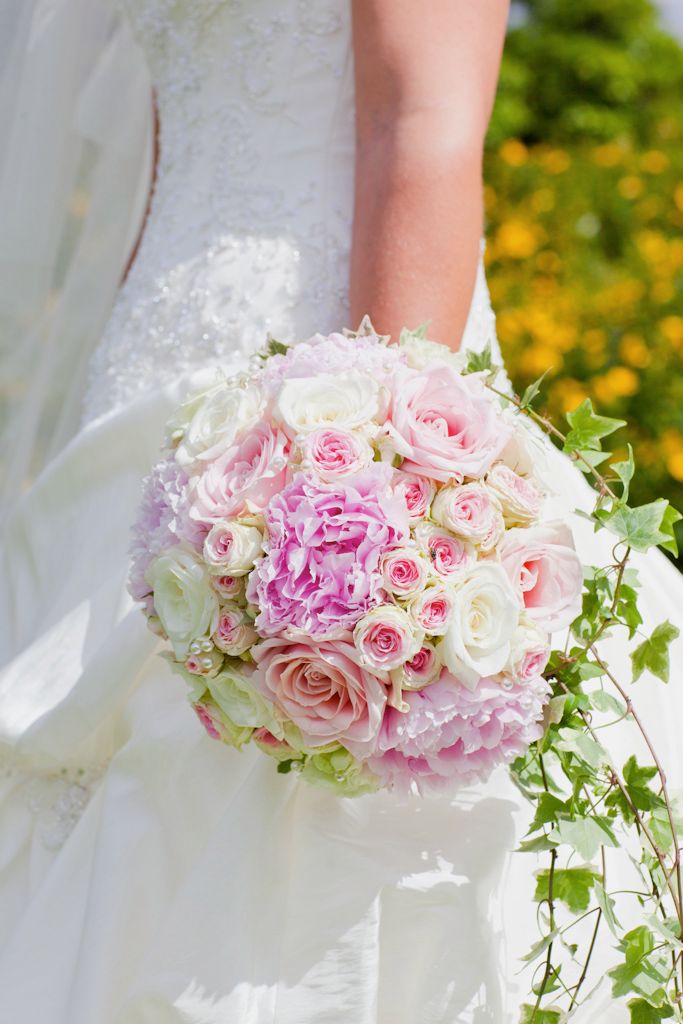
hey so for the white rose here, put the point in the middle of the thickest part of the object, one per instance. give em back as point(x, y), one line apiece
point(485, 616)
point(232, 547)
point(239, 699)
point(519, 497)
point(224, 412)
point(420, 352)
point(184, 600)
point(527, 452)
point(346, 400)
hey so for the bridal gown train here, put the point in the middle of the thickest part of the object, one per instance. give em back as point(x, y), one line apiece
point(147, 874)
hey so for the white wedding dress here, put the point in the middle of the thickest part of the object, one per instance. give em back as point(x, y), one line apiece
point(147, 874)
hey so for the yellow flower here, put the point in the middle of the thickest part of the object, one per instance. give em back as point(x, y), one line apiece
point(678, 196)
point(663, 291)
point(514, 152)
point(633, 350)
point(568, 393)
point(675, 465)
point(672, 329)
point(517, 240)
point(556, 161)
point(542, 200)
point(618, 382)
point(608, 155)
point(630, 186)
point(654, 161)
point(538, 358)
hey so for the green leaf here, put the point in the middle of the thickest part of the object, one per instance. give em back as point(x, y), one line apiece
point(606, 702)
point(643, 1012)
point(637, 944)
point(548, 809)
point(532, 390)
point(589, 459)
point(606, 904)
point(640, 976)
point(584, 746)
point(625, 471)
point(572, 886)
point(420, 333)
point(284, 767)
point(539, 844)
point(585, 835)
point(653, 653)
point(644, 526)
point(547, 1015)
point(662, 928)
point(478, 361)
point(275, 347)
point(587, 428)
point(540, 947)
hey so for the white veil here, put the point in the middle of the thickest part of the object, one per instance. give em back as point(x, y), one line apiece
point(75, 164)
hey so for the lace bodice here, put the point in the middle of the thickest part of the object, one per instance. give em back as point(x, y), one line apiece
point(250, 224)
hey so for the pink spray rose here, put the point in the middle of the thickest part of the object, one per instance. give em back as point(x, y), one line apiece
point(405, 571)
point(432, 609)
point(423, 668)
point(325, 543)
point(229, 588)
point(530, 650)
point(332, 454)
point(545, 572)
point(444, 424)
point(416, 491)
point(450, 557)
point(244, 479)
point(471, 512)
point(232, 547)
point(519, 497)
point(385, 638)
point(324, 690)
point(234, 633)
point(453, 734)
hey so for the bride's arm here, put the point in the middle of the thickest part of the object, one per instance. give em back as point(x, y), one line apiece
point(425, 82)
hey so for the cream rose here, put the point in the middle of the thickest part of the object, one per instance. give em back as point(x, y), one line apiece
point(385, 638)
point(471, 512)
point(345, 400)
point(529, 651)
point(184, 600)
point(225, 412)
point(236, 696)
point(520, 499)
point(231, 548)
point(421, 352)
point(485, 616)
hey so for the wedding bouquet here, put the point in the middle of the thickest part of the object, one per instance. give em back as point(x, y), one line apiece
point(346, 550)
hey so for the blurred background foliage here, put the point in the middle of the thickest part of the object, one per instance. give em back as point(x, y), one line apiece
point(584, 199)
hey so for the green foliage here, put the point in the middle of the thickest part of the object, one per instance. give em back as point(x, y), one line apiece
point(653, 653)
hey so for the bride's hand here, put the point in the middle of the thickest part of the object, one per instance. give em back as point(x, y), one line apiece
point(425, 82)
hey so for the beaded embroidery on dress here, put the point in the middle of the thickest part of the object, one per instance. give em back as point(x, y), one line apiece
point(250, 224)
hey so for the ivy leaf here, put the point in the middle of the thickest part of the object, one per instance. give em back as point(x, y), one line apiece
point(275, 347)
point(644, 526)
point(540, 947)
point(636, 780)
point(625, 471)
point(419, 334)
point(572, 886)
point(284, 767)
point(548, 809)
point(641, 976)
point(589, 459)
point(532, 390)
point(478, 361)
point(662, 928)
point(549, 1015)
point(587, 428)
point(637, 943)
point(653, 653)
point(585, 835)
point(584, 746)
point(606, 904)
point(643, 1012)
point(606, 702)
point(539, 844)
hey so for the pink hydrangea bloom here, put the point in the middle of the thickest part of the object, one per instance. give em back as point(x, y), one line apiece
point(335, 353)
point(325, 542)
point(452, 734)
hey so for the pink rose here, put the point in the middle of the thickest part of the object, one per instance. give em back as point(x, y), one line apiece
point(332, 453)
point(423, 668)
point(519, 497)
point(210, 719)
point(416, 491)
point(432, 609)
point(230, 588)
point(472, 512)
point(444, 424)
point(546, 573)
point(385, 638)
point(234, 633)
point(324, 690)
point(269, 744)
point(449, 557)
point(405, 572)
point(244, 479)
point(529, 653)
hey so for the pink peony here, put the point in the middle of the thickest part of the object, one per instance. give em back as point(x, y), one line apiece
point(546, 573)
point(324, 690)
point(161, 522)
point(332, 453)
point(416, 491)
point(451, 734)
point(244, 479)
point(325, 543)
point(335, 353)
point(444, 424)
